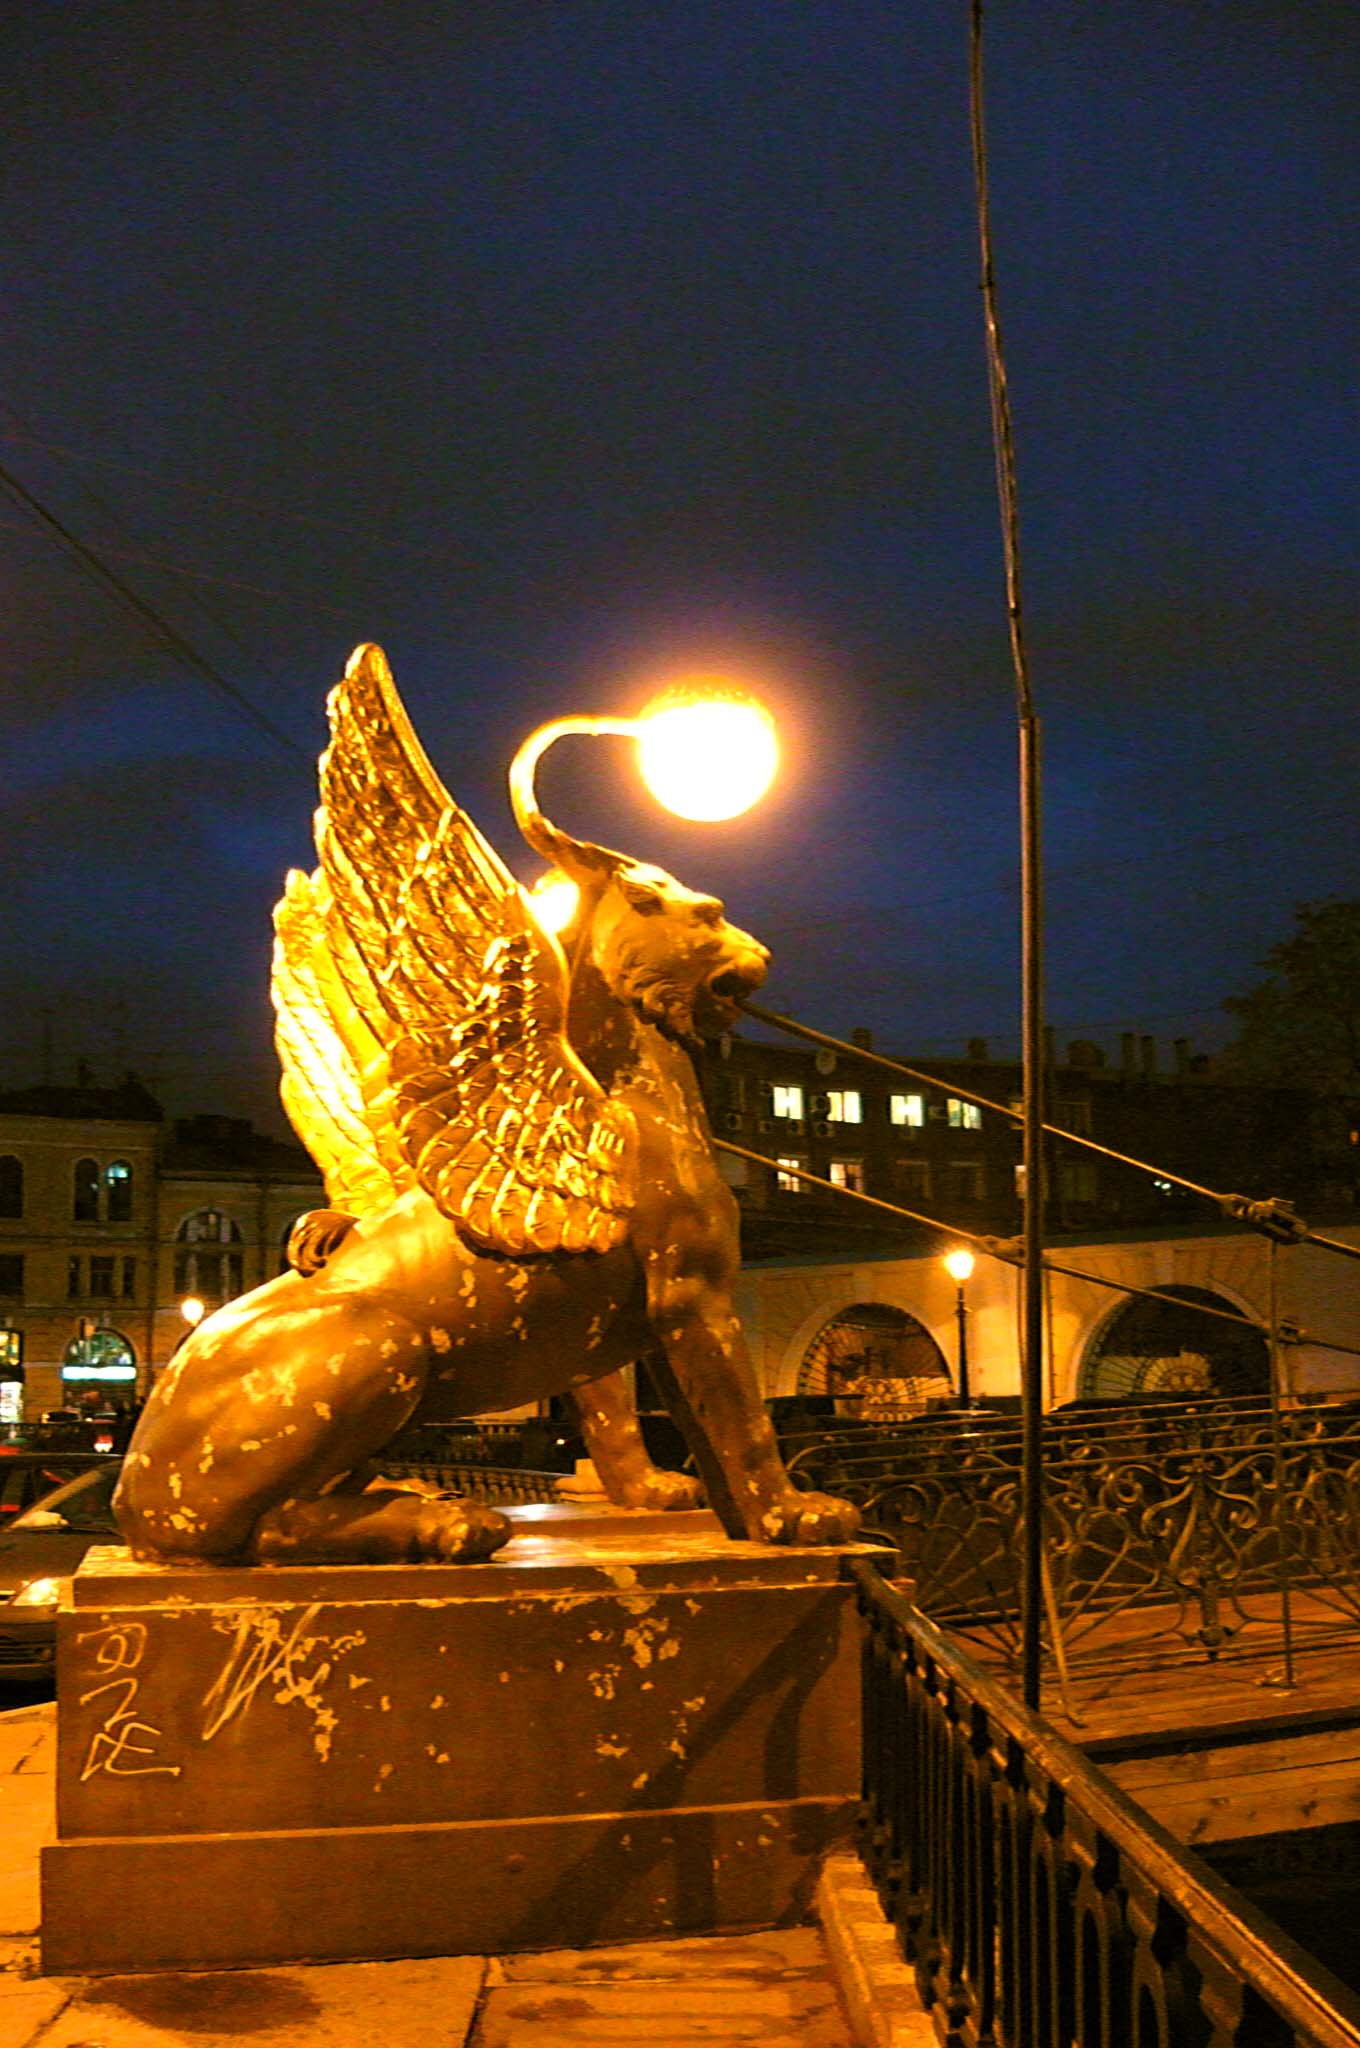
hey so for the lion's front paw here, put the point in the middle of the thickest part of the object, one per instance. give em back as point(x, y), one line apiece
point(664, 1491)
point(809, 1518)
point(457, 1531)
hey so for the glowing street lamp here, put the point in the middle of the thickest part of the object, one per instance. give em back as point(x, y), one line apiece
point(959, 1266)
point(707, 756)
point(706, 751)
point(193, 1312)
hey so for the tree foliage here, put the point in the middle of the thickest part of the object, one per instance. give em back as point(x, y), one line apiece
point(1300, 1027)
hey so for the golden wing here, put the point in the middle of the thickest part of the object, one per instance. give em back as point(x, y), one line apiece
point(447, 1003)
point(323, 1048)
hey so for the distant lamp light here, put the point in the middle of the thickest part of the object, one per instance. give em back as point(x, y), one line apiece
point(707, 753)
point(192, 1310)
point(553, 900)
point(959, 1265)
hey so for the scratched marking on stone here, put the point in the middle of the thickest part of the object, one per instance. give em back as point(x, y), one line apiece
point(263, 1653)
point(119, 1649)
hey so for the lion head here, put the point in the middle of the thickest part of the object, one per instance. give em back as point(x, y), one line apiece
point(670, 953)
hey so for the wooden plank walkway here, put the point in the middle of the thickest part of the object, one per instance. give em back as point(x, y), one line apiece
point(1219, 1749)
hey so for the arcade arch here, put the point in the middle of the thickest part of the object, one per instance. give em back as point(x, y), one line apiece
point(1150, 1346)
point(875, 1359)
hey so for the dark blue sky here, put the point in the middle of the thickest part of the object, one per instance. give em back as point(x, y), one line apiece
point(559, 346)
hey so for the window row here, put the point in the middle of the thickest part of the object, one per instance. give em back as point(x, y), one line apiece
point(789, 1102)
point(101, 1194)
point(209, 1262)
point(102, 1276)
point(914, 1180)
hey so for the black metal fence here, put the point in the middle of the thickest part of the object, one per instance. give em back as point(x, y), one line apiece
point(1037, 1905)
point(1216, 1512)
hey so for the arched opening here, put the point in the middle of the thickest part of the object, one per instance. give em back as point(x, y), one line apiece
point(85, 1191)
point(877, 1362)
point(101, 1357)
point(118, 1191)
point(1170, 1347)
point(208, 1259)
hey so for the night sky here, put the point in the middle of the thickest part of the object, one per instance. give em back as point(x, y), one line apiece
point(564, 348)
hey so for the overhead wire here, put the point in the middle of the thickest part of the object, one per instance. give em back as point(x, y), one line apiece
point(169, 636)
point(1273, 1218)
point(1007, 1250)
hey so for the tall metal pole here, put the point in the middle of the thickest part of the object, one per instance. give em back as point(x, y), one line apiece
point(1031, 920)
point(1032, 1364)
point(961, 1312)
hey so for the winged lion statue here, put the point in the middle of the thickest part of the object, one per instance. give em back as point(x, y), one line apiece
point(523, 1192)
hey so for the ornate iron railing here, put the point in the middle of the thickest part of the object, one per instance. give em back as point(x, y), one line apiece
point(1213, 1512)
point(484, 1482)
point(1038, 1907)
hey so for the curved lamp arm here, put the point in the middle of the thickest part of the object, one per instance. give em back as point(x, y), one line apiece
point(556, 846)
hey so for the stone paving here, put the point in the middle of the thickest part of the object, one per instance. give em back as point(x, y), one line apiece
point(838, 1985)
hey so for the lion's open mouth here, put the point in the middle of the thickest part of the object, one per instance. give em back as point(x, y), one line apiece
point(719, 998)
point(733, 985)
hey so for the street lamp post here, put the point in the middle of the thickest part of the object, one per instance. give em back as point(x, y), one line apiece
point(959, 1266)
point(193, 1312)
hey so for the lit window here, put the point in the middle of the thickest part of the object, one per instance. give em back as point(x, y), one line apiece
point(963, 1116)
point(118, 1181)
point(908, 1110)
point(786, 1176)
point(788, 1100)
point(847, 1173)
point(844, 1107)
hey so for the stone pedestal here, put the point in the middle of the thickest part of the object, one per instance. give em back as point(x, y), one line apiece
point(623, 1726)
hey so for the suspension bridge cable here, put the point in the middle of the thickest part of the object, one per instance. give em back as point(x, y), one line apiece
point(1007, 1250)
point(169, 636)
point(1273, 1217)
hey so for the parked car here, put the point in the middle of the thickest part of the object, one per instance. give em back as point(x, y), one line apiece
point(39, 1550)
point(27, 1477)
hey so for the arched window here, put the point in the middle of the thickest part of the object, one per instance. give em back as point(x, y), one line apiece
point(103, 1356)
point(1168, 1347)
point(85, 1191)
point(878, 1362)
point(11, 1186)
point(208, 1261)
point(118, 1181)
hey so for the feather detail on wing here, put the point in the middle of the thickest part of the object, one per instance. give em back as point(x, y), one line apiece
point(421, 1009)
point(322, 1045)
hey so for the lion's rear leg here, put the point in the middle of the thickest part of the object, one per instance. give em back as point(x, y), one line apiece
point(380, 1526)
point(613, 1436)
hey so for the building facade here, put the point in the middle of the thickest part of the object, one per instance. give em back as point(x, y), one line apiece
point(836, 1326)
point(933, 1148)
point(111, 1218)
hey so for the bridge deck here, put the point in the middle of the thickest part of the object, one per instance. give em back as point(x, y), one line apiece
point(1220, 1749)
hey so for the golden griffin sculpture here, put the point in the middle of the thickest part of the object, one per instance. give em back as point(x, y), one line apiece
point(524, 1194)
